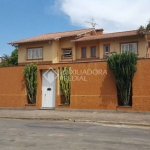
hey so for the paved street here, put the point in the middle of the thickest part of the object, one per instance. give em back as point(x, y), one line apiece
point(58, 135)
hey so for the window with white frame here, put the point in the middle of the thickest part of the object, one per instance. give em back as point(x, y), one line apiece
point(131, 47)
point(35, 53)
point(66, 53)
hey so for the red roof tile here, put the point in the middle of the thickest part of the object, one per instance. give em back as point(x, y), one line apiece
point(51, 36)
point(108, 35)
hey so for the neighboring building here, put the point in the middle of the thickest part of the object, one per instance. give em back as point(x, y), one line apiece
point(78, 45)
point(0, 58)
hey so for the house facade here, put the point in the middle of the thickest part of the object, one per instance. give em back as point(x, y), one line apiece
point(85, 52)
point(79, 45)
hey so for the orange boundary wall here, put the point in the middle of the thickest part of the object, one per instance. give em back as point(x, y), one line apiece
point(94, 90)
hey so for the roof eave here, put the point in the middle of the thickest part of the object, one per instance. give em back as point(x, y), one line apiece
point(102, 38)
point(55, 38)
point(11, 43)
point(20, 42)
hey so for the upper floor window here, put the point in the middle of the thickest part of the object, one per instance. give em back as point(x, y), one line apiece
point(66, 53)
point(83, 52)
point(131, 47)
point(106, 49)
point(93, 51)
point(34, 53)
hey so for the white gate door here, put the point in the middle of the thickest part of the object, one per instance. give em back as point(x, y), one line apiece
point(48, 89)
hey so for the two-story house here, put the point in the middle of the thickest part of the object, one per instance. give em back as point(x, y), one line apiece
point(71, 47)
point(87, 44)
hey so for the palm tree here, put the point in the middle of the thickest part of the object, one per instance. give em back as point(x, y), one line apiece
point(11, 60)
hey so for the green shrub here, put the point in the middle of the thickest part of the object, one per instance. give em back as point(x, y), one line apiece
point(30, 74)
point(65, 85)
point(123, 67)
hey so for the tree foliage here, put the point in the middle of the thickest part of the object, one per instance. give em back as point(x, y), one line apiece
point(144, 30)
point(123, 67)
point(14, 57)
point(30, 74)
point(11, 60)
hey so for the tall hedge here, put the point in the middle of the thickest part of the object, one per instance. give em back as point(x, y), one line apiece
point(30, 74)
point(123, 67)
point(65, 85)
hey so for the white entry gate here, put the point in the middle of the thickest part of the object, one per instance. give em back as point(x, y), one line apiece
point(48, 89)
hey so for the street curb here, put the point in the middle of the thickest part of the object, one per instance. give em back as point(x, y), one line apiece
point(78, 110)
point(78, 120)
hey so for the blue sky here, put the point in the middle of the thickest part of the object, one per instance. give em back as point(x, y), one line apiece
point(26, 18)
point(21, 19)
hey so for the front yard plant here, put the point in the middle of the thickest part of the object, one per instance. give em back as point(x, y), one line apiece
point(30, 74)
point(123, 67)
point(65, 85)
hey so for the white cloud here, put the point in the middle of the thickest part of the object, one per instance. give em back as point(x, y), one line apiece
point(111, 15)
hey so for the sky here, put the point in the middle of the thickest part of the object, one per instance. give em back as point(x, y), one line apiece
point(21, 19)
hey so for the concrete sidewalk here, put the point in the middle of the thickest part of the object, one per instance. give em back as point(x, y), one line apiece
point(98, 116)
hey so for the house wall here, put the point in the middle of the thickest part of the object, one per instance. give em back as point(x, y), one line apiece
point(98, 90)
point(12, 88)
point(92, 87)
point(115, 45)
point(88, 45)
point(141, 86)
point(52, 51)
point(66, 43)
point(47, 51)
point(95, 91)
point(55, 51)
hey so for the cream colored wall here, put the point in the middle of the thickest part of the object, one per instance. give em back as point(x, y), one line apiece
point(66, 43)
point(55, 51)
point(52, 51)
point(115, 45)
point(47, 51)
point(88, 45)
point(142, 48)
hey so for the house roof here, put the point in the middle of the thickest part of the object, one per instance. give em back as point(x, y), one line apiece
point(108, 35)
point(52, 36)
